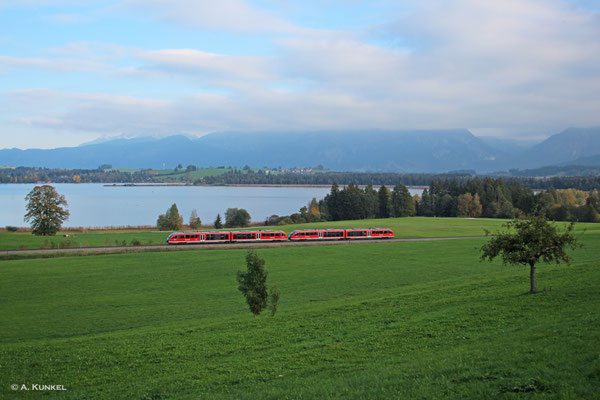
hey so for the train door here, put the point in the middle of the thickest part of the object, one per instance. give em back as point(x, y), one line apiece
point(202, 238)
point(321, 235)
point(369, 233)
point(258, 236)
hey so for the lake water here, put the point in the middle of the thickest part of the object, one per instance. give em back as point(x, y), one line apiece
point(96, 205)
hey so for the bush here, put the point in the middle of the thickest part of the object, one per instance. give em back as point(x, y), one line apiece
point(236, 217)
point(135, 242)
point(11, 228)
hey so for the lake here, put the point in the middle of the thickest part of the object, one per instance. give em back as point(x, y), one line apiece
point(97, 205)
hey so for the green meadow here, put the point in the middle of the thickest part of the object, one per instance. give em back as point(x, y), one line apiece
point(418, 320)
point(417, 227)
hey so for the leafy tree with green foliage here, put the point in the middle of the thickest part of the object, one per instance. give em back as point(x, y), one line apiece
point(218, 224)
point(253, 283)
point(469, 205)
point(527, 241)
point(195, 222)
point(45, 210)
point(171, 221)
point(235, 217)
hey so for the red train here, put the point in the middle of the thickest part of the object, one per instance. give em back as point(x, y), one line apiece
point(226, 237)
point(341, 234)
point(279, 236)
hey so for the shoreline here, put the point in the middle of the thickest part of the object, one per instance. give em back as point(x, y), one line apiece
point(246, 185)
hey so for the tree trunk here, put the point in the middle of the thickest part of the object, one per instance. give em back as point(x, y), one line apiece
point(532, 277)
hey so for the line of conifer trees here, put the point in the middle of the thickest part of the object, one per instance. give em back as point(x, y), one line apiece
point(487, 197)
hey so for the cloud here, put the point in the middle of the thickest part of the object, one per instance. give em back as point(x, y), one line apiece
point(228, 15)
point(514, 66)
point(89, 112)
point(189, 61)
point(57, 64)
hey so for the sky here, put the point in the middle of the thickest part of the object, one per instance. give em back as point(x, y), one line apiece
point(74, 71)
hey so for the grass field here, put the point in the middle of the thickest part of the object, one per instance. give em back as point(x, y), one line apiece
point(403, 227)
point(420, 320)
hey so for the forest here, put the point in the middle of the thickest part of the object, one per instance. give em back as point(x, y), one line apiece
point(472, 198)
point(248, 176)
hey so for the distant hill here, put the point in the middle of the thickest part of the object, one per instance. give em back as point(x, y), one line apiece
point(377, 151)
point(562, 149)
point(509, 146)
point(591, 161)
point(405, 151)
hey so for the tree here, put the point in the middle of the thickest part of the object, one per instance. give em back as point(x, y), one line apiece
point(402, 202)
point(274, 296)
point(384, 202)
point(218, 224)
point(236, 217)
point(171, 220)
point(527, 241)
point(253, 283)
point(469, 205)
point(195, 222)
point(45, 210)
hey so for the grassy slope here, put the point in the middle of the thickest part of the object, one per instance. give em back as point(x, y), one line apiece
point(392, 320)
point(403, 227)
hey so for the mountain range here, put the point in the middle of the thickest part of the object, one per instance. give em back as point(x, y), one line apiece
point(390, 151)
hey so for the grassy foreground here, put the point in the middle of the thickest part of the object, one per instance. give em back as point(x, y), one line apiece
point(403, 227)
point(420, 320)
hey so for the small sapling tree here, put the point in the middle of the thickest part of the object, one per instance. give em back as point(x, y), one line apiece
point(529, 241)
point(253, 283)
point(45, 210)
point(274, 296)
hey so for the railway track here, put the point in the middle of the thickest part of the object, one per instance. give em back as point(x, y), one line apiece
point(221, 246)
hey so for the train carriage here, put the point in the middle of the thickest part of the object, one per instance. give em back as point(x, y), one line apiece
point(340, 234)
point(225, 237)
point(258, 236)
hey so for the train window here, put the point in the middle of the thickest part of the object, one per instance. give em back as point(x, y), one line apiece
point(217, 236)
point(244, 235)
point(356, 233)
point(333, 234)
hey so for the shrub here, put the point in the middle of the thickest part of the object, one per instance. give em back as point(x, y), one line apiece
point(11, 228)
